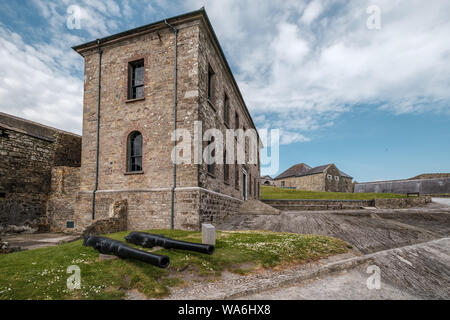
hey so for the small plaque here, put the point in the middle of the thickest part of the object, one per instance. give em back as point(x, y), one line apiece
point(208, 234)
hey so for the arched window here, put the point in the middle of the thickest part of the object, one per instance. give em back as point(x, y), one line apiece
point(134, 152)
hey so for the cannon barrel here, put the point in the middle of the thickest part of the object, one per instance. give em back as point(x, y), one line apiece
point(148, 240)
point(121, 250)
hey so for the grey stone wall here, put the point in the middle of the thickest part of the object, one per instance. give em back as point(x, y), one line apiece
point(65, 185)
point(423, 186)
point(28, 153)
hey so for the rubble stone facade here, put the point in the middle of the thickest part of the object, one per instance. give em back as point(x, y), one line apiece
point(28, 152)
point(201, 195)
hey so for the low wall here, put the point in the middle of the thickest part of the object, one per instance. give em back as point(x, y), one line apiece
point(116, 222)
point(215, 207)
point(319, 205)
point(422, 186)
point(402, 203)
point(313, 205)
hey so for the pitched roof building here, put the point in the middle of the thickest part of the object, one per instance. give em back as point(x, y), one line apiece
point(326, 178)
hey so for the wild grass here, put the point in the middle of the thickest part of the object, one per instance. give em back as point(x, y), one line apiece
point(42, 274)
point(274, 193)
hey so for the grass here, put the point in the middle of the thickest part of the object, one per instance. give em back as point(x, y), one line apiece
point(42, 274)
point(274, 193)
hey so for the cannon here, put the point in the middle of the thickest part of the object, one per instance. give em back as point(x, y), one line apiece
point(148, 240)
point(121, 250)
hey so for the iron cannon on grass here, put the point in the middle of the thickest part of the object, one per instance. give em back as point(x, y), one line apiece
point(121, 250)
point(148, 240)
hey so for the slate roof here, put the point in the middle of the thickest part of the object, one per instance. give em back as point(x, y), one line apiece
point(302, 169)
point(294, 171)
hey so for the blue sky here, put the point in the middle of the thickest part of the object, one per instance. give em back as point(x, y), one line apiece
point(374, 102)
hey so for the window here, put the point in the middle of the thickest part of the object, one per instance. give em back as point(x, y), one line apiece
point(211, 166)
point(226, 110)
point(226, 169)
point(135, 152)
point(236, 175)
point(336, 178)
point(256, 192)
point(250, 184)
point(211, 77)
point(330, 177)
point(283, 184)
point(236, 121)
point(136, 80)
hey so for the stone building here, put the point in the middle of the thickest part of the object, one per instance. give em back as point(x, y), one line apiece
point(127, 146)
point(326, 178)
point(28, 152)
point(425, 184)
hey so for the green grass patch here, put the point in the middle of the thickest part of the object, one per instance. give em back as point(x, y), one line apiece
point(274, 193)
point(42, 274)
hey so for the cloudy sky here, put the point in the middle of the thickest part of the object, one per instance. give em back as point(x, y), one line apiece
point(374, 101)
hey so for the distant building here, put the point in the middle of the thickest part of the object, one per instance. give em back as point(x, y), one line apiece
point(426, 184)
point(326, 178)
point(267, 181)
point(431, 176)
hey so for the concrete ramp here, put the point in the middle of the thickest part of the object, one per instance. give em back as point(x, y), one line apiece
point(257, 207)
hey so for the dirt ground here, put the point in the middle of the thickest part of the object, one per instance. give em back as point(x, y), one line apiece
point(411, 248)
point(367, 230)
point(37, 240)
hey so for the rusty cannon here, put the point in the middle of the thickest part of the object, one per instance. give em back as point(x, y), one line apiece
point(121, 250)
point(148, 240)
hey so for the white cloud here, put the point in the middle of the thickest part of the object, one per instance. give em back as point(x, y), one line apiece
point(300, 64)
point(312, 11)
point(303, 65)
point(33, 88)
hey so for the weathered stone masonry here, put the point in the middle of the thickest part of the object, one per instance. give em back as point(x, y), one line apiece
point(200, 196)
point(29, 151)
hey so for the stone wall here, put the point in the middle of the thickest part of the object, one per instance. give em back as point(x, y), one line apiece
point(211, 113)
point(28, 152)
point(314, 182)
point(314, 205)
point(318, 205)
point(214, 207)
point(335, 182)
point(152, 116)
point(116, 222)
point(65, 186)
point(410, 202)
point(148, 193)
point(422, 186)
